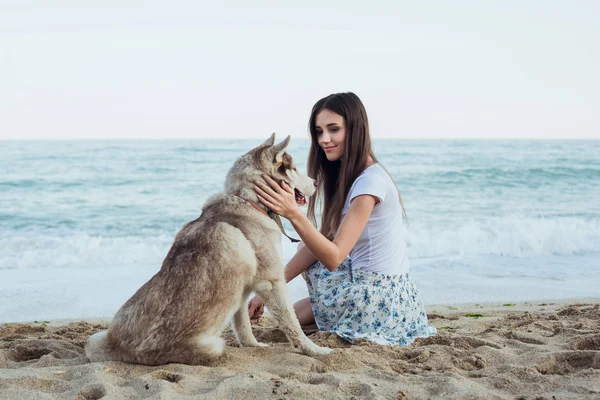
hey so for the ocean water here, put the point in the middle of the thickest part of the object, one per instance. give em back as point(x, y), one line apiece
point(83, 224)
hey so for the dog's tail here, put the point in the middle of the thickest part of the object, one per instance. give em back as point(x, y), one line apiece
point(98, 348)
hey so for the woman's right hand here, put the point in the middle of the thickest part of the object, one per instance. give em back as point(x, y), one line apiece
point(256, 308)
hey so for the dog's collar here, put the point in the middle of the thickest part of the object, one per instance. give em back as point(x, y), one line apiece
point(275, 217)
point(253, 204)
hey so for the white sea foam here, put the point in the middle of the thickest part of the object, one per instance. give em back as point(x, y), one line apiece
point(81, 251)
point(506, 236)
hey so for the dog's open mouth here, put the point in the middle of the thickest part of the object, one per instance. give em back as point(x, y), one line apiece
point(300, 197)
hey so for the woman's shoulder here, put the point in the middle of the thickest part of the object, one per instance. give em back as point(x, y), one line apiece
point(375, 172)
point(374, 180)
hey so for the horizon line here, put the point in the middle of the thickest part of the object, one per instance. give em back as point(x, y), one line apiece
point(303, 138)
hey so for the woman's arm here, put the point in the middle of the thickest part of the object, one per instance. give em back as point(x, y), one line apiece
point(303, 259)
point(332, 253)
point(281, 199)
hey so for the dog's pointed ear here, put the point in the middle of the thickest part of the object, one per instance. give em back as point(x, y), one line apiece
point(279, 149)
point(270, 141)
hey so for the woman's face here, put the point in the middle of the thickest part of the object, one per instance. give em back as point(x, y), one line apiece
point(331, 134)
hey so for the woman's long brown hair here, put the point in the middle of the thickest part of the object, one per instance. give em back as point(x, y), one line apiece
point(334, 178)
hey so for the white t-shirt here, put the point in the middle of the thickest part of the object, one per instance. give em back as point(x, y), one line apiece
point(381, 246)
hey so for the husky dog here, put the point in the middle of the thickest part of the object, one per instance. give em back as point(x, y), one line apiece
point(215, 262)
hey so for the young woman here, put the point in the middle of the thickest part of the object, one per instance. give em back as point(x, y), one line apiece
point(356, 267)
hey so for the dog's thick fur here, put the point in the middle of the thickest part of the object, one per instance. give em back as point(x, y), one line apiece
point(215, 262)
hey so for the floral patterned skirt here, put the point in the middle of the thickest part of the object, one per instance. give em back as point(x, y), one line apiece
point(359, 304)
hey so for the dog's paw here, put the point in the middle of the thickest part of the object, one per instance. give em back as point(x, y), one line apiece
point(325, 350)
point(315, 350)
point(254, 344)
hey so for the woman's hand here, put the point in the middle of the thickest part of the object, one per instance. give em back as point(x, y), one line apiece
point(279, 199)
point(256, 308)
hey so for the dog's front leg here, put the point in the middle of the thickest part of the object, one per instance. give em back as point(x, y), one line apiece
point(242, 328)
point(274, 293)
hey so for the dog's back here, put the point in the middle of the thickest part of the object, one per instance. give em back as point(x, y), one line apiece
point(203, 279)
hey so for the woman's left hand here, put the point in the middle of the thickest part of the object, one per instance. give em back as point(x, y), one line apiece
point(279, 199)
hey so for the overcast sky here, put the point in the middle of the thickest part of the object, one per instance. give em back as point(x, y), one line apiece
point(174, 69)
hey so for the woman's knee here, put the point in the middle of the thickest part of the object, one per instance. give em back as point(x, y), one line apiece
point(304, 312)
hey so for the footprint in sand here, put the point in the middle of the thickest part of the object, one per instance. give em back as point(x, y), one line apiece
point(587, 343)
point(92, 392)
point(568, 362)
point(523, 338)
point(470, 363)
point(462, 342)
point(326, 379)
point(167, 376)
point(29, 350)
point(581, 310)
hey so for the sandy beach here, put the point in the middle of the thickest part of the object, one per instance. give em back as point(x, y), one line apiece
point(534, 350)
